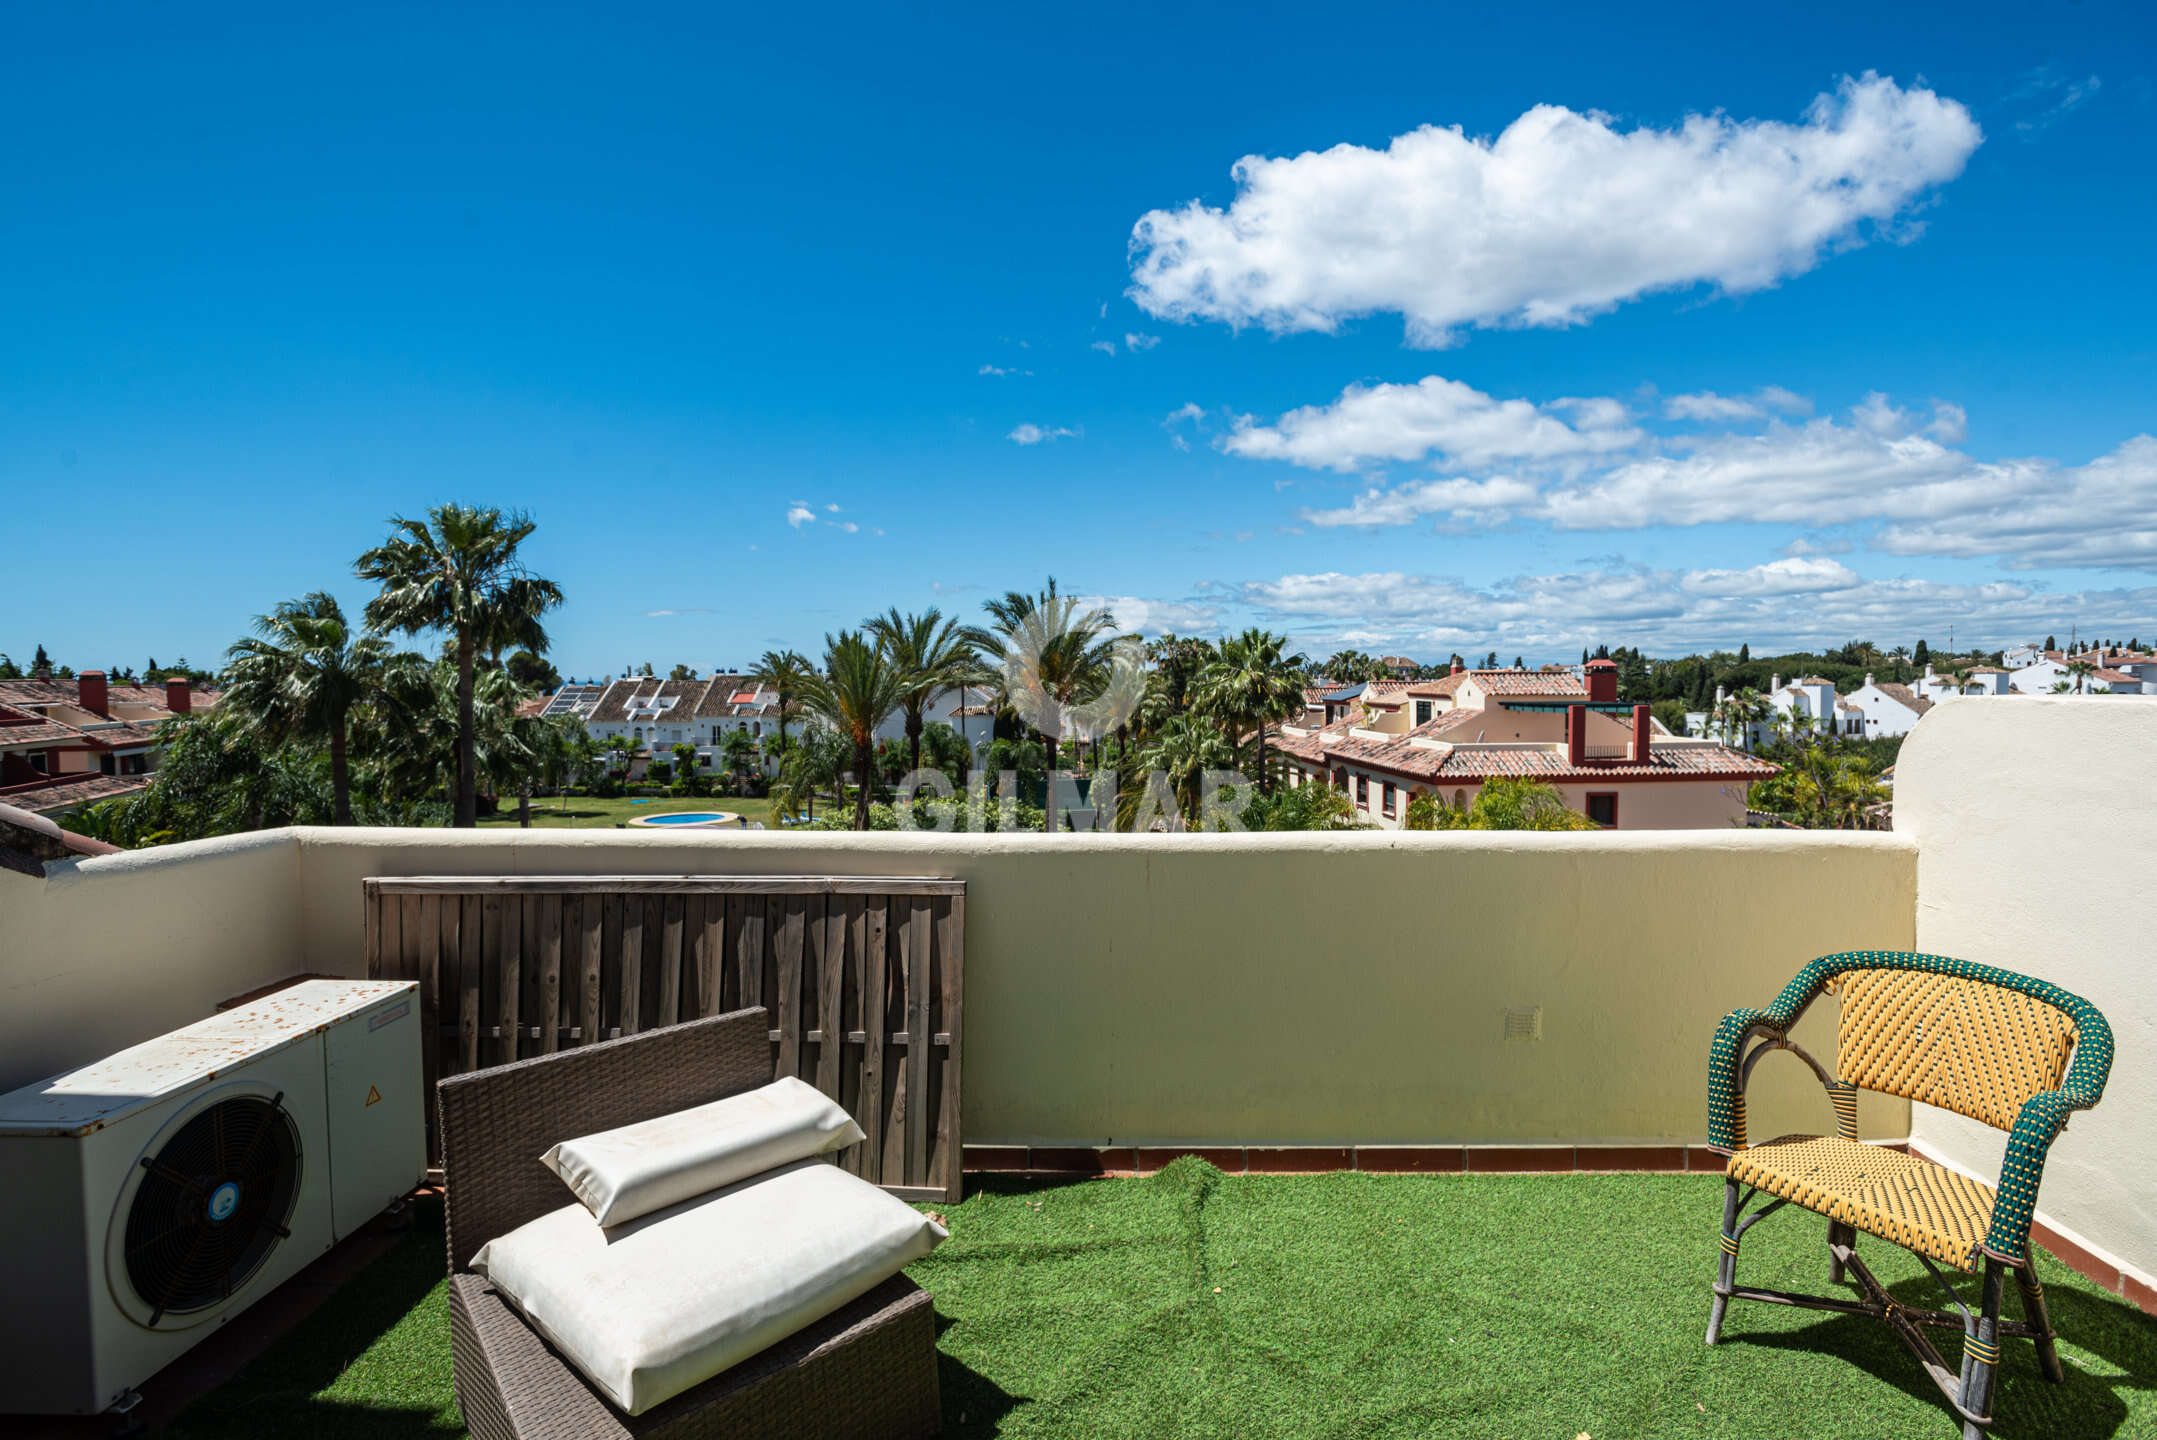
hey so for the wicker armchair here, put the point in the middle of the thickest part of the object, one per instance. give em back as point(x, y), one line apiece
point(867, 1371)
point(1985, 1043)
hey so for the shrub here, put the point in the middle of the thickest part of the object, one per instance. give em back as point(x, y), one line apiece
point(659, 772)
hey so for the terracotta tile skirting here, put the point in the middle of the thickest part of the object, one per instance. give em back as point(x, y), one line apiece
point(2091, 1268)
point(1453, 1160)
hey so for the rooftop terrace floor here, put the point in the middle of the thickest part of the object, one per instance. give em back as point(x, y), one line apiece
point(1190, 1303)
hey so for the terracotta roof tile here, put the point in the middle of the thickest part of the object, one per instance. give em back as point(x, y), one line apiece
point(1528, 682)
point(22, 727)
point(40, 693)
point(1695, 762)
point(46, 797)
point(1905, 696)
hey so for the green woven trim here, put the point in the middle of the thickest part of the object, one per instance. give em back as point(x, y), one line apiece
point(1726, 1105)
point(2042, 1115)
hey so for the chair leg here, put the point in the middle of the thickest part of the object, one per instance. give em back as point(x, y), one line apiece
point(1837, 1231)
point(1726, 1270)
point(2034, 1311)
point(1981, 1353)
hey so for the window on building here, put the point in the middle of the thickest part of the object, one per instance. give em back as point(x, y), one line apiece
point(1423, 712)
point(39, 763)
point(756, 730)
point(1340, 779)
point(1386, 797)
point(1603, 809)
point(1363, 792)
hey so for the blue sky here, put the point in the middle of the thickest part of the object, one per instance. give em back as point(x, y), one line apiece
point(1785, 328)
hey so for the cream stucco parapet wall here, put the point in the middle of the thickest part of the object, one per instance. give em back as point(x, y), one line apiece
point(2036, 826)
point(1307, 988)
point(104, 953)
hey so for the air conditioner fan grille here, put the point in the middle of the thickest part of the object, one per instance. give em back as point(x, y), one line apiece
point(213, 1204)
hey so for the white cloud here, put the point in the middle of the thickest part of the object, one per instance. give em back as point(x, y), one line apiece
point(1187, 411)
point(1884, 466)
point(1670, 612)
point(1804, 546)
point(1792, 576)
point(1460, 501)
point(1031, 434)
point(801, 513)
point(1180, 444)
point(1435, 417)
point(1559, 218)
point(2055, 93)
point(1709, 406)
point(1154, 617)
point(2036, 514)
point(992, 370)
point(1140, 342)
point(1106, 347)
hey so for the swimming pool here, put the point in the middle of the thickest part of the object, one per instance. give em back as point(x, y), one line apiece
point(691, 819)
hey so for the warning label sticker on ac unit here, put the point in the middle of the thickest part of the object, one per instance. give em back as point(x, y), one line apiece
point(374, 1097)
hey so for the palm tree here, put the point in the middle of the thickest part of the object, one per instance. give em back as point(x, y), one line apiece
point(625, 750)
point(458, 571)
point(1186, 748)
point(738, 752)
point(1252, 685)
point(857, 689)
point(580, 749)
point(931, 654)
point(300, 677)
point(786, 673)
point(818, 758)
point(1736, 716)
point(1054, 655)
point(2082, 669)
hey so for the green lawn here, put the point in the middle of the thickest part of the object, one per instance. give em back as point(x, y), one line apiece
point(1195, 1304)
point(587, 812)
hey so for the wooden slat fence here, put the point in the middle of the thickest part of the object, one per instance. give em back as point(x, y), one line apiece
point(863, 978)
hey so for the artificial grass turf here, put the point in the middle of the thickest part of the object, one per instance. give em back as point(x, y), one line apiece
point(1191, 1303)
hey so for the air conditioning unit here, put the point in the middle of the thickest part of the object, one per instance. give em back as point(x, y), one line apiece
point(154, 1195)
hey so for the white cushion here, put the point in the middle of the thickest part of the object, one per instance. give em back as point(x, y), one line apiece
point(640, 1168)
point(650, 1308)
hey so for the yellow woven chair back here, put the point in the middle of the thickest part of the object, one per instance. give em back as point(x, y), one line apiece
point(1977, 1049)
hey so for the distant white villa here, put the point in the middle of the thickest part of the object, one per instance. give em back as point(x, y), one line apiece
point(660, 714)
point(1880, 709)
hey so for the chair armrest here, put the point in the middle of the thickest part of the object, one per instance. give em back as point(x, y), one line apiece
point(1726, 1080)
point(2042, 1118)
point(1726, 1077)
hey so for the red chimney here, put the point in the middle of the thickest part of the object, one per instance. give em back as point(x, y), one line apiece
point(1458, 667)
point(1602, 682)
point(1643, 727)
point(1576, 735)
point(179, 699)
point(90, 691)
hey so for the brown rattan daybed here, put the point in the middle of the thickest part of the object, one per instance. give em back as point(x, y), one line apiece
point(865, 1372)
